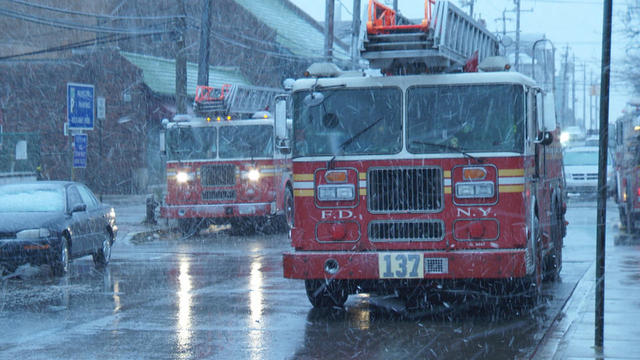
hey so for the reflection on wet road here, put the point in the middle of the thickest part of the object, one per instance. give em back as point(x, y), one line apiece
point(219, 296)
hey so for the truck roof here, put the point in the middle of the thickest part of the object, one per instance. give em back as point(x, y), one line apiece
point(404, 81)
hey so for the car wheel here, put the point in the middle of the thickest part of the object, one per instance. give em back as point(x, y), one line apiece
point(103, 255)
point(62, 259)
point(323, 293)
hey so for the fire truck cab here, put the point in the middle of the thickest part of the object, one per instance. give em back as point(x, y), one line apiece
point(427, 183)
point(223, 167)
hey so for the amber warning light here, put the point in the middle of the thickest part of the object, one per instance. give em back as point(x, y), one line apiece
point(474, 173)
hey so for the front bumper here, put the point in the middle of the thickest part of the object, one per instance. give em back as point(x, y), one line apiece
point(476, 264)
point(582, 186)
point(36, 251)
point(217, 210)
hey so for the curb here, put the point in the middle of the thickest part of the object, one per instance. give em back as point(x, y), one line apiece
point(553, 341)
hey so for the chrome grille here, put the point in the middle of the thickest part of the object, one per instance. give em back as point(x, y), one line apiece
point(219, 195)
point(404, 190)
point(216, 175)
point(581, 176)
point(431, 230)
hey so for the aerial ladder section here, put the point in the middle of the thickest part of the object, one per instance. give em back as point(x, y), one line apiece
point(233, 99)
point(445, 40)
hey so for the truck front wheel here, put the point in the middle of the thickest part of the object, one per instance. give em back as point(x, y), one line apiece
point(326, 293)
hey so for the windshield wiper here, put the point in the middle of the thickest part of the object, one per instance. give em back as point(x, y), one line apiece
point(448, 147)
point(359, 133)
point(346, 143)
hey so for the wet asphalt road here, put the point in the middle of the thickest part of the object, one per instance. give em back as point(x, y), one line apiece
point(218, 296)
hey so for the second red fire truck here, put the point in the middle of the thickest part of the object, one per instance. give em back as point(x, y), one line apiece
point(422, 183)
point(224, 166)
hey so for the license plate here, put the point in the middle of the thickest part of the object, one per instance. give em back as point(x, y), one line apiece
point(394, 265)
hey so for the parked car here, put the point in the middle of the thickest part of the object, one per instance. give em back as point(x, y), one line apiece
point(581, 169)
point(52, 222)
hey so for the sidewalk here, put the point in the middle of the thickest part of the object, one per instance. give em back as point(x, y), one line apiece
point(573, 332)
point(131, 211)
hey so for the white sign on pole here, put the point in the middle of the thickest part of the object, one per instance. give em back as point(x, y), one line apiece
point(101, 107)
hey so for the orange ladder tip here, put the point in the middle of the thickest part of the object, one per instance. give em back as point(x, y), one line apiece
point(382, 19)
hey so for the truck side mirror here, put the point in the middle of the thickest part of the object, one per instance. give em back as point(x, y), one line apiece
point(283, 146)
point(544, 138)
point(282, 140)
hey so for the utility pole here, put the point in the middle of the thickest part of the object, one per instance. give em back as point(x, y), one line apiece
point(328, 29)
point(395, 6)
point(602, 174)
point(203, 58)
point(517, 60)
point(564, 86)
point(584, 96)
point(517, 52)
point(181, 64)
point(504, 20)
point(591, 95)
point(573, 89)
point(355, 35)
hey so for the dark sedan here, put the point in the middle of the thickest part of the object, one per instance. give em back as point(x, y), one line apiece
point(52, 222)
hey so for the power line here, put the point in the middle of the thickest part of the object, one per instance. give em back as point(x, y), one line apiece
point(80, 44)
point(100, 16)
point(68, 25)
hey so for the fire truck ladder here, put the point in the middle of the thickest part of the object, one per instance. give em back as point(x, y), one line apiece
point(233, 99)
point(445, 40)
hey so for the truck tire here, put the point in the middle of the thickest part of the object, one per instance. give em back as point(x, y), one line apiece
point(553, 262)
point(623, 217)
point(326, 293)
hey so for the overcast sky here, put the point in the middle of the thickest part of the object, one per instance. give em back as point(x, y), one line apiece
point(576, 23)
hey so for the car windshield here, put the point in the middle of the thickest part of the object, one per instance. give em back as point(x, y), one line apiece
point(586, 157)
point(468, 118)
point(188, 143)
point(246, 141)
point(347, 121)
point(31, 199)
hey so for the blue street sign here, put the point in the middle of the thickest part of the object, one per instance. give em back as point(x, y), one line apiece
point(80, 108)
point(80, 151)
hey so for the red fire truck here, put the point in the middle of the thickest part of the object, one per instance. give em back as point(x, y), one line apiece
point(223, 165)
point(627, 167)
point(425, 181)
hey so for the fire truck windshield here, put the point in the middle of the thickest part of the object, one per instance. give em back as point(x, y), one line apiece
point(188, 143)
point(348, 121)
point(480, 118)
point(246, 141)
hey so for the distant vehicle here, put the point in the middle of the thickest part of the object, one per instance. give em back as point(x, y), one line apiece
point(592, 141)
point(52, 222)
point(627, 154)
point(572, 135)
point(225, 165)
point(581, 169)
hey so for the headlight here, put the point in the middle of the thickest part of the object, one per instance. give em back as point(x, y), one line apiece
point(336, 192)
point(253, 175)
point(33, 233)
point(564, 137)
point(182, 177)
point(474, 190)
